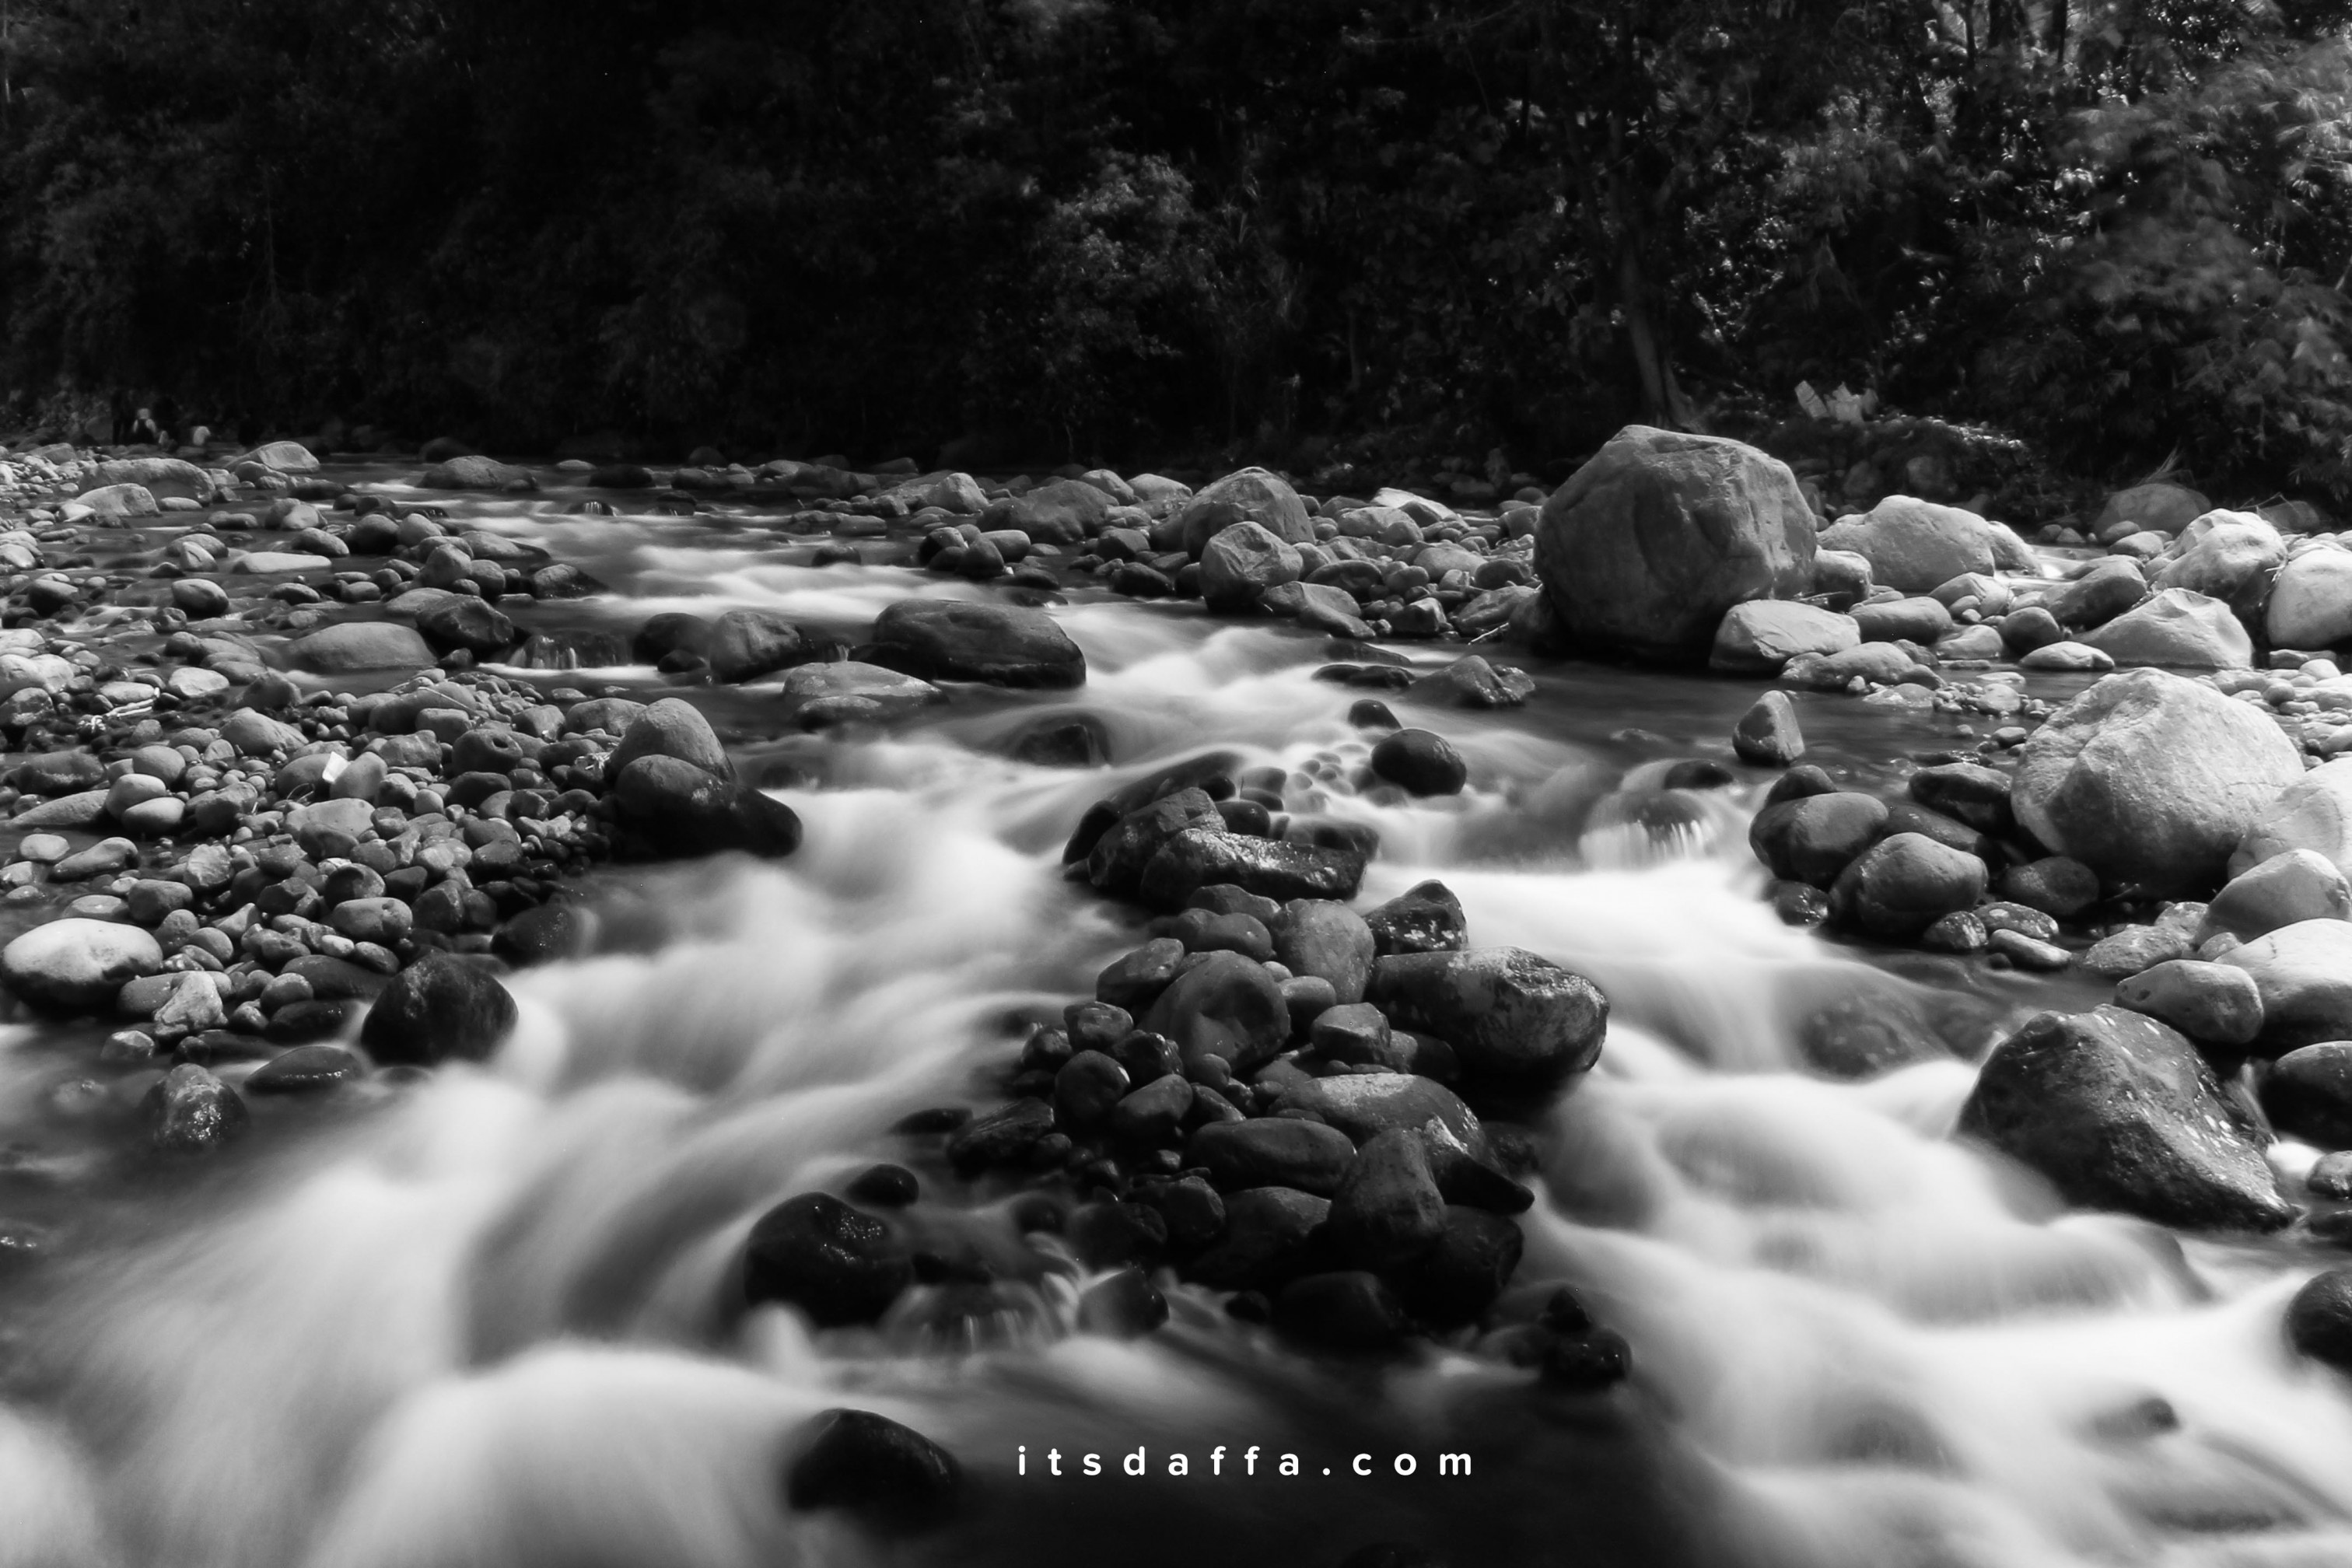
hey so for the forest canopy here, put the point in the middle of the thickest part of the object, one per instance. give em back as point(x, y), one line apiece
point(1098, 227)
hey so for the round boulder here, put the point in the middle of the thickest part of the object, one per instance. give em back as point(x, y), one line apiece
point(439, 1008)
point(1421, 762)
point(1650, 542)
point(77, 966)
point(1914, 545)
point(2151, 780)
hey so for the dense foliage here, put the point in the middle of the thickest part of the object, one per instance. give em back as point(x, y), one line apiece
point(1073, 227)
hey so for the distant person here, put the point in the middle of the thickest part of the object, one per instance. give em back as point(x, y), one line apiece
point(119, 407)
point(167, 419)
point(144, 428)
point(200, 435)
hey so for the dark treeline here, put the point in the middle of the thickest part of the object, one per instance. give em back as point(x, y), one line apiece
point(1075, 228)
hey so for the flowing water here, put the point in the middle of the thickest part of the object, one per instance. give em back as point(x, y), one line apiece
point(480, 1319)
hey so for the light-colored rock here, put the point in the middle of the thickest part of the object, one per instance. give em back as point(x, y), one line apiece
point(2300, 885)
point(2151, 780)
point(2304, 974)
point(1916, 545)
point(121, 501)
point(76, 965)
point(362, 645)
point(2313, 813)
point(1760, 636)
point(2175, 628)
point(1241, 563)
point(2311, 600)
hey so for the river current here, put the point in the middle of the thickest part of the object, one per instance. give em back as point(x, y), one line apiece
point(473, 1318)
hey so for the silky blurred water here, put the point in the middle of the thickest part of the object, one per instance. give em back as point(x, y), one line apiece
point(484, 1318)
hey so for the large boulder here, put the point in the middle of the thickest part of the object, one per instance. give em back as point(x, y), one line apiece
point(77, 966)
point(1650, 542)
point(950, 491)
point(362, 645)
point(1516, 1022)
point(1760, 636)
point(121, 501)
point(2151, 780)
point(284, 456)
point(460, 621)
point(2314, 813)
point(1916, 545)
point(958, 639)
point(2178, 628)
point(2167, 507)
point(2311, 599)
point(1246, 495)
point(160, 477)
point(1242, 562)
point(2303, 973)
point(2121, 1113)
point(2231, 556)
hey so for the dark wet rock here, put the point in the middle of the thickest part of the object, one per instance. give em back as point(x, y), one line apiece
point(1124, 1306)
point(1087, 1087)
point(1387, 1210)
point(743, 644)
point(1356, 1032)
point(1063, 743)
point(438, 1009)
point(1002, 1137)
point(2121, 1113)
point(1269, 1234)
point(1967, 793)
point(1153, 1114)
point(838, 1264)
point(1348, 1310)
point(1470, 682)
point(2303, 974)
point(191, 1110)
point(885, 1186)
point(1272, 1152)
point(1959, 932)
point(2213, 1004)
point(955, 639)
point(1117, 862)
point(891, 1478)
point(305, 1070)
point(1901, 885)
point(2151, 780)
point(1421, 762)
point(1222, 1006)
point(1767, 734)
point(1813, 839)
point(2319, 1319)
point(458, 622)
point(1590, 1362)
point(2307, 1094)
point(1454, 1281)
point(1327, 941)
point(1424, 918)
point(1200, 857)
point(2055, 885)
point(2109, 588)
point(1114, 1235)
point(671, 631)
point(1135, 979)
point(77, 966)
point(1516, 1022)
point(1659, 534)
point(546, 933)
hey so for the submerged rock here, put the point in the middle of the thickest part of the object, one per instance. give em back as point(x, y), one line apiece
point(890, 1477)
point(838, 1264)
point(436, 1009)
